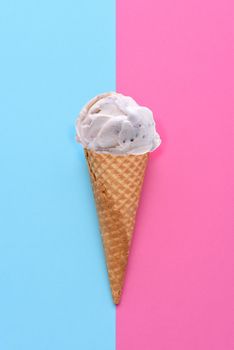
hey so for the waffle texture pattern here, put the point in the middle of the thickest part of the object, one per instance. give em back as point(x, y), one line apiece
point(117, 183)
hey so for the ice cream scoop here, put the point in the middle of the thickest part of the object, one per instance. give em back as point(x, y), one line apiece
point(116, 124)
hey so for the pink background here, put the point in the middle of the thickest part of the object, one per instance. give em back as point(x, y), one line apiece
point(177, 58)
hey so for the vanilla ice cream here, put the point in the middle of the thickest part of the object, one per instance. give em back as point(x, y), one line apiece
point(116, 124)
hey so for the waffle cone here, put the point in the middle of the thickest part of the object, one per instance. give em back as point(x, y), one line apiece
point(116, 182)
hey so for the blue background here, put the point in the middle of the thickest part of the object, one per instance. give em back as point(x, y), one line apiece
point(54, 290)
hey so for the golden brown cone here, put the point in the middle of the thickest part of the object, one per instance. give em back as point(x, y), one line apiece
point(116, 182)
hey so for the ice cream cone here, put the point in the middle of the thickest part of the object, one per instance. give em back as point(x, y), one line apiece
point(116, 182)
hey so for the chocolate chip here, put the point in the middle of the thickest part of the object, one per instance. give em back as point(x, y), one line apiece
point(132, 140)
point(97, 110)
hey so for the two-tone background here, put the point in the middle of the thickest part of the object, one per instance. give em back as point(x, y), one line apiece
point(175, 57)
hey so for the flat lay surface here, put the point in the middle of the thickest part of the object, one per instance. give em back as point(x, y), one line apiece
point(175, 57)
point(54, 290)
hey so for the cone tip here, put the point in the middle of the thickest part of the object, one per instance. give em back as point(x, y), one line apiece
point(116, 298)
